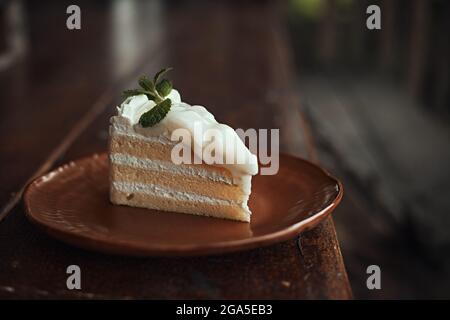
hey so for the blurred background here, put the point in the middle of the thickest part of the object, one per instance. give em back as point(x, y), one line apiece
point(377, 102)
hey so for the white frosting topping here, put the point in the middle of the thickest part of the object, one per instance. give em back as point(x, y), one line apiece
point(195, 119)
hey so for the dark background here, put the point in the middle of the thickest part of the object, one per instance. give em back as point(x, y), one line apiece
point(379, 105)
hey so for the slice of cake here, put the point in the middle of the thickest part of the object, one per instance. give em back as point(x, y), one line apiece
point(168, 155)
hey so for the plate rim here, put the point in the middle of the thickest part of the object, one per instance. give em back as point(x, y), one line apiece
point(209, 248)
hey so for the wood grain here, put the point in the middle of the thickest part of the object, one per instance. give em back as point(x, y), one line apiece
point(231, 57)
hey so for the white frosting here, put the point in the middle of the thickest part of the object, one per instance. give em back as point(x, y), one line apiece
point(183, 115)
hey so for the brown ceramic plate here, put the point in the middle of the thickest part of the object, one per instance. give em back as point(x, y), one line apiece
point(71, 204)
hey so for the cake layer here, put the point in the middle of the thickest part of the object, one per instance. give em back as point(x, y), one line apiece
point(172, 176)
point(126, 194)
point(141, 147)
point(142, 172)
point(153, 149)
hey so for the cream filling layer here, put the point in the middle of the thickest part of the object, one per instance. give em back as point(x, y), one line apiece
point(150, 189)
point(166, 166)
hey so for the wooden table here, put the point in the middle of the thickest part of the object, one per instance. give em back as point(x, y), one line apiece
point(58, 94)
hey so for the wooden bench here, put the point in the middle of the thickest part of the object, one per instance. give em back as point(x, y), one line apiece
point(57, 99)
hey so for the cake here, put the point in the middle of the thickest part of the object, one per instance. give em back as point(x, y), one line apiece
point(146, 144)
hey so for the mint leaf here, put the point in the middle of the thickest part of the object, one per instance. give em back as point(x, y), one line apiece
point(160, 73)
point(134, 92)
point(164, 87)
point(156, 114)
point(146, 83)
point(155, 90)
